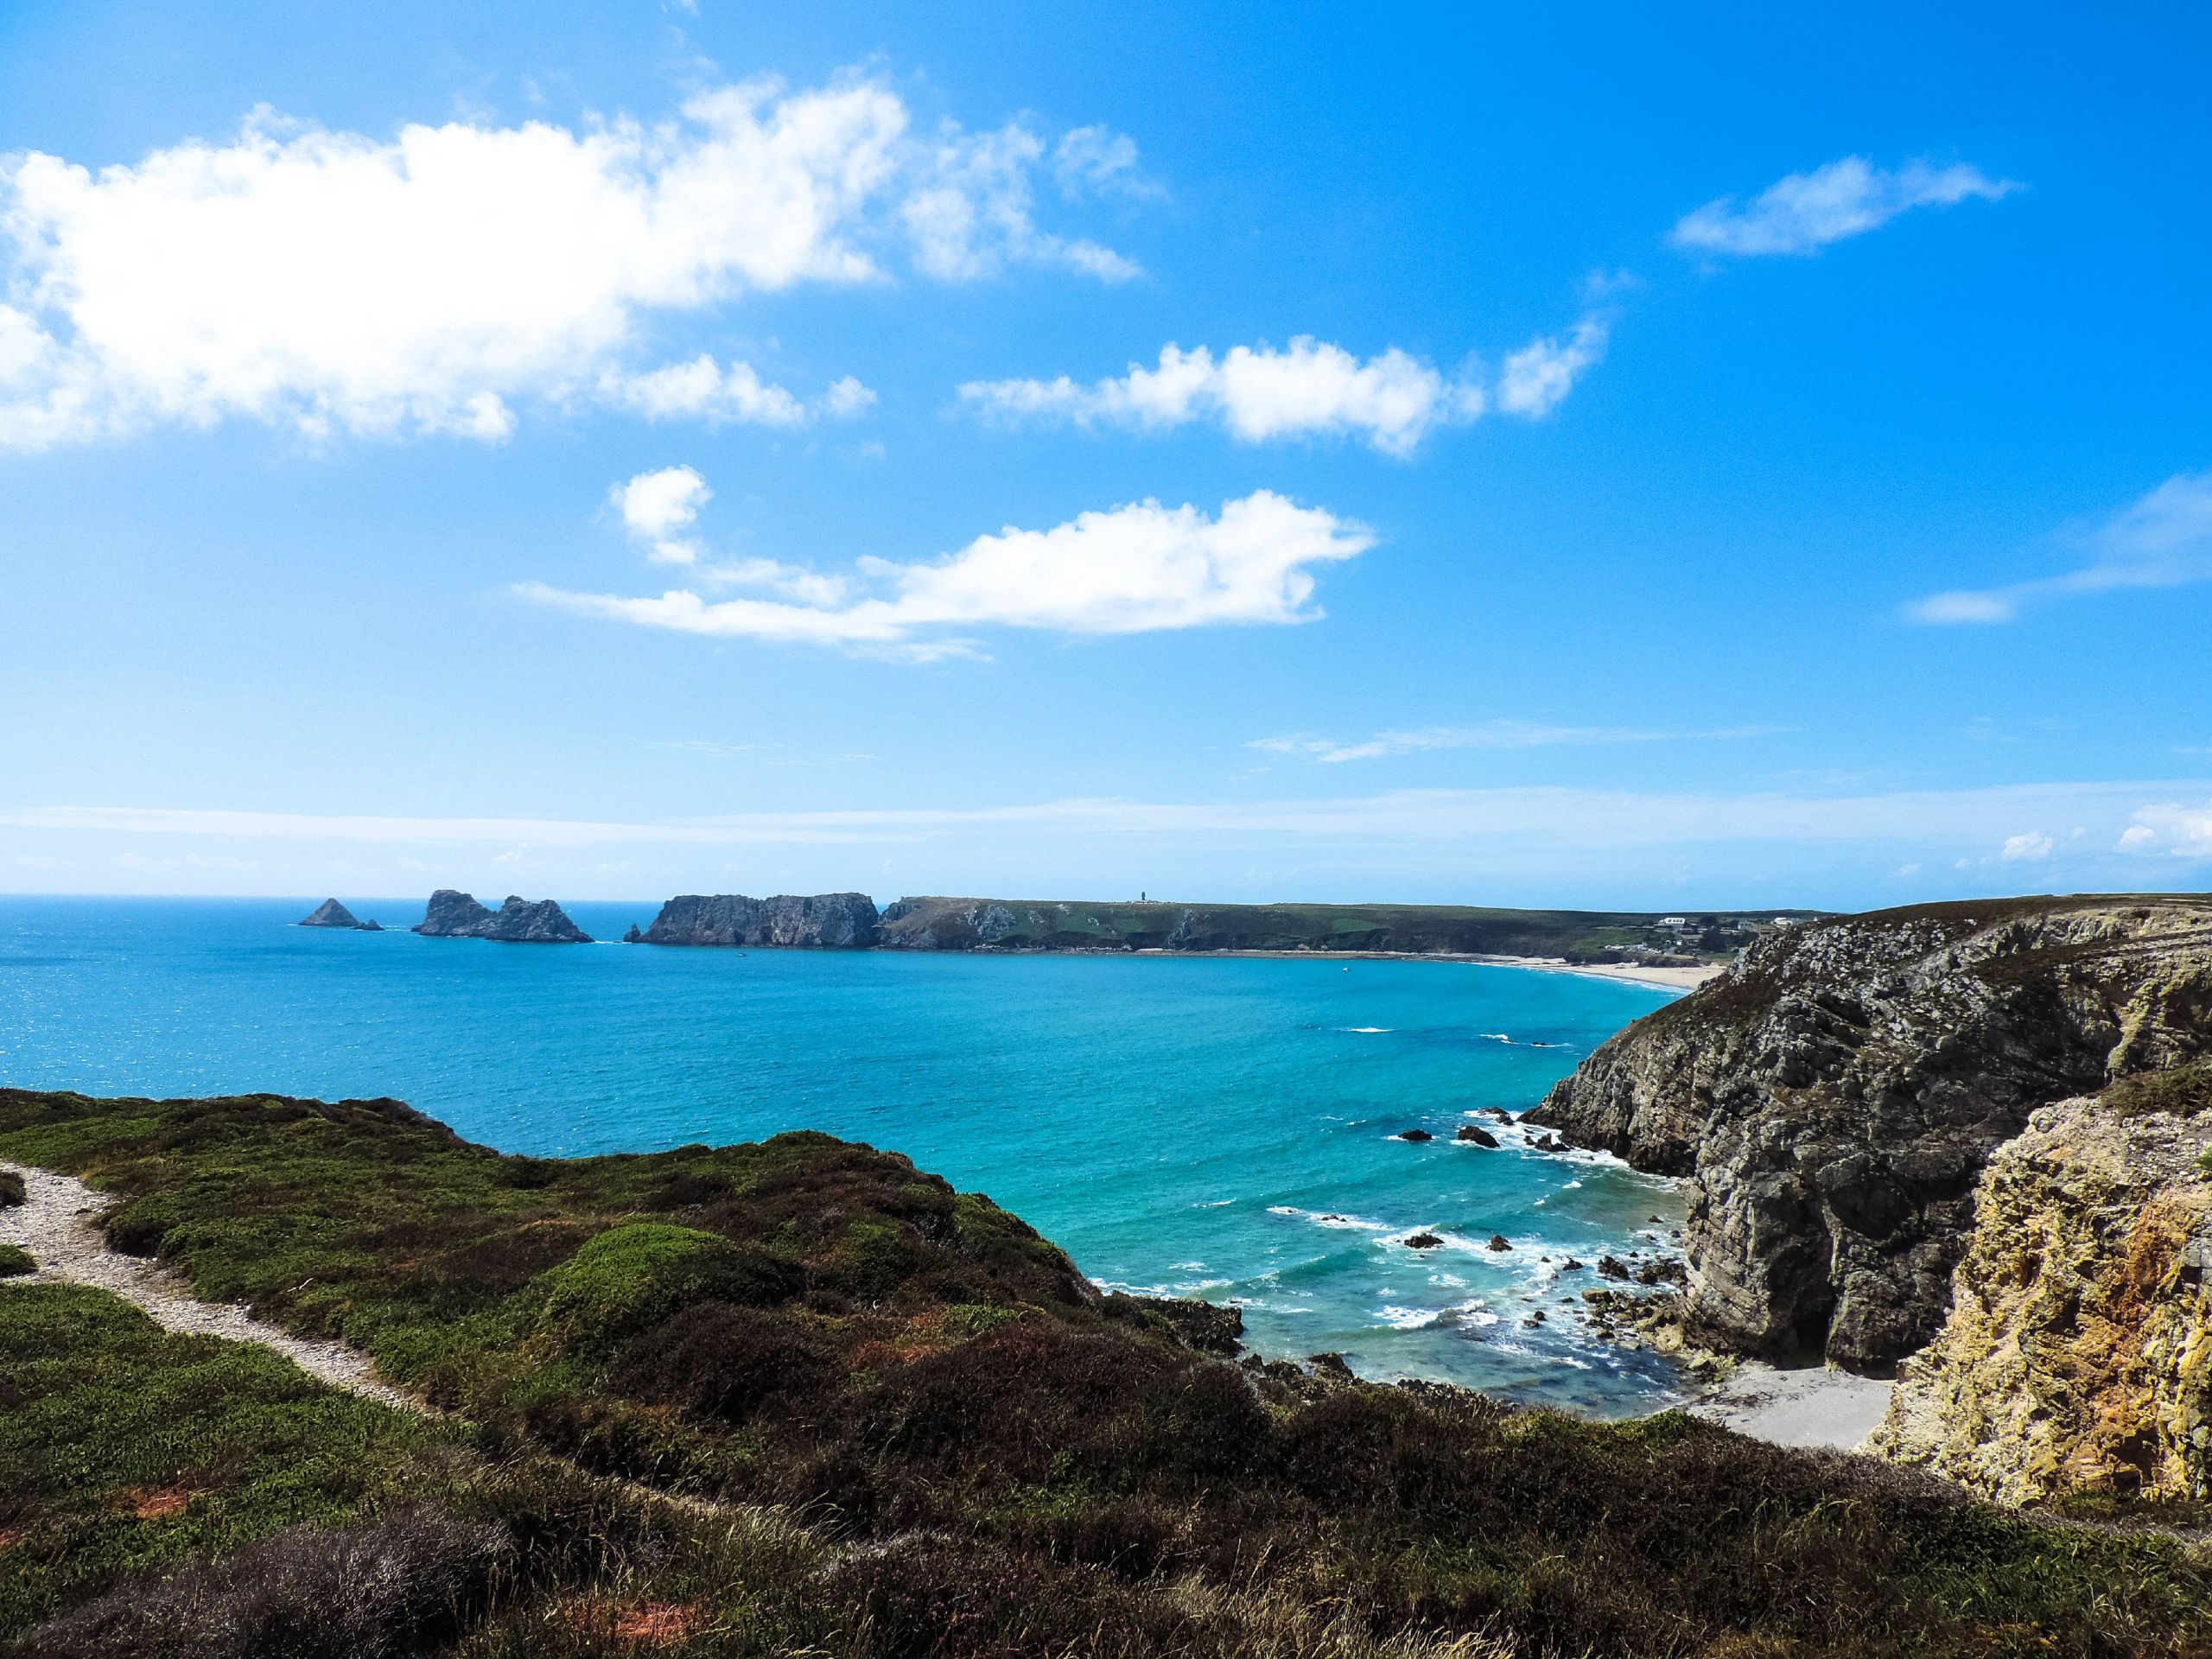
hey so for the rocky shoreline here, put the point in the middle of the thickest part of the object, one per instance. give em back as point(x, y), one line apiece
point(1832, 1098)
point(1969, 1144)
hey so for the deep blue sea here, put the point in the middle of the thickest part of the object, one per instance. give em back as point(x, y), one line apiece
point(1214, 1127)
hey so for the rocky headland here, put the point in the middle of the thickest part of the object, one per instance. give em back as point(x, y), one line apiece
point(331, 914)
point(2078, 1355)
point(1833, 1100)
point(455, 915)
point(1563, 936)
point(845, 921)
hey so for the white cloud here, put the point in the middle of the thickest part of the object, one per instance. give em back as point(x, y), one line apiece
point(2162, 540)
point(1097, 160)
point(1310, 388)
point(332, 281)
point(658, 507)
point(1496, 734)
point(2026, 848)
point(2171, 829)
point(706, 391)
point(1536, 379)
point(1132, 570)
point(1805, 212)
point(1544, 816)
point(971, 212)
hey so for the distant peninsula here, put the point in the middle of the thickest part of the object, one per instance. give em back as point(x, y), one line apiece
point(851, 921)
point(455, 915)
point(331, 914)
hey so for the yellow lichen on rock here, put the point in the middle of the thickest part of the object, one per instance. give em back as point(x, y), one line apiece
point(2078, 1356)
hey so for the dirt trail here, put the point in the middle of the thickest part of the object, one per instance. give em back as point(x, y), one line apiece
point(58, 1225)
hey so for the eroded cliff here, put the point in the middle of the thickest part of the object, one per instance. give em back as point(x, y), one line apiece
point(830, 920)
point(1833, 1097)
point(2078, 1356)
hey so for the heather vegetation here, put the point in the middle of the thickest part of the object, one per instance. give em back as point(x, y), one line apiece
point(798, 1396)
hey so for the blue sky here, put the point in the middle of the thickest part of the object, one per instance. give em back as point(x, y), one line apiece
point(1614, 458)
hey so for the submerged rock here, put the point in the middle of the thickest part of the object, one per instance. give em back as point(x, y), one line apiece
point(455, 915)
point(838, 921)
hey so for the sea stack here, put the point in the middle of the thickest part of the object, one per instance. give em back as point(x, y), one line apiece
point(455, 915)
point(329, 914)
point(837, 921)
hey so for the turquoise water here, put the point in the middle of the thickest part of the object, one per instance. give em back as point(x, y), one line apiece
point(1211, 1126)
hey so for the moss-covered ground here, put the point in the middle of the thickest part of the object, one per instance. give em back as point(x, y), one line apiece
point(899, 1423)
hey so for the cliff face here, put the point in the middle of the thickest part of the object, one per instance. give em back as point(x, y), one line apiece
point(831, 920)
point(518, 921)
point(1833, 1097)
point(2078, 1352)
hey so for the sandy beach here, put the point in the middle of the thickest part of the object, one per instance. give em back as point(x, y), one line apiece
point(1628, 973)
point(1817, 1406)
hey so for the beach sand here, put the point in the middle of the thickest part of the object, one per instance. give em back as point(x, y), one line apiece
point(1628, 973)
point(1817, 1406)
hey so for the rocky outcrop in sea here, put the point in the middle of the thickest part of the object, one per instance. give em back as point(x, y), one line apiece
point(2077, 1357)
point(1833, 1098)
point(455, 915)
point(845, 921)
point(331, 914)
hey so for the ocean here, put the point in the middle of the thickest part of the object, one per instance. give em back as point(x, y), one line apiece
point(1222, 1128)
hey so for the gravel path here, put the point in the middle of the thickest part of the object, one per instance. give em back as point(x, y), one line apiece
point(57, 1225)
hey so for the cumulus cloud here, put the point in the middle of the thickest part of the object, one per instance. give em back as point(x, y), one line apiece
point(332, 280)
point(1496, 734)
point(659, 508)
point(1131, 570)
point(1805, 212)
point(2170, 829)
point(2163, 539)
point(1309, 388)
point(2028, 846)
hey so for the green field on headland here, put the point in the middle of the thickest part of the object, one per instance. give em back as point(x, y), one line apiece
point(1578, 936)
point(800, 1397)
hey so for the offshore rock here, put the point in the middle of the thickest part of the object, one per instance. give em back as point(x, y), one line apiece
point(2077, 1357)
point(1833, 1097)
point(330, 913)
point(455, 915)
point(842, 921)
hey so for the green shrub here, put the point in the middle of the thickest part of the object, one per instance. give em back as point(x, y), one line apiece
point(385, 1589)
point(16, 1262)
point(12, 1191)
point(2184, 1091)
